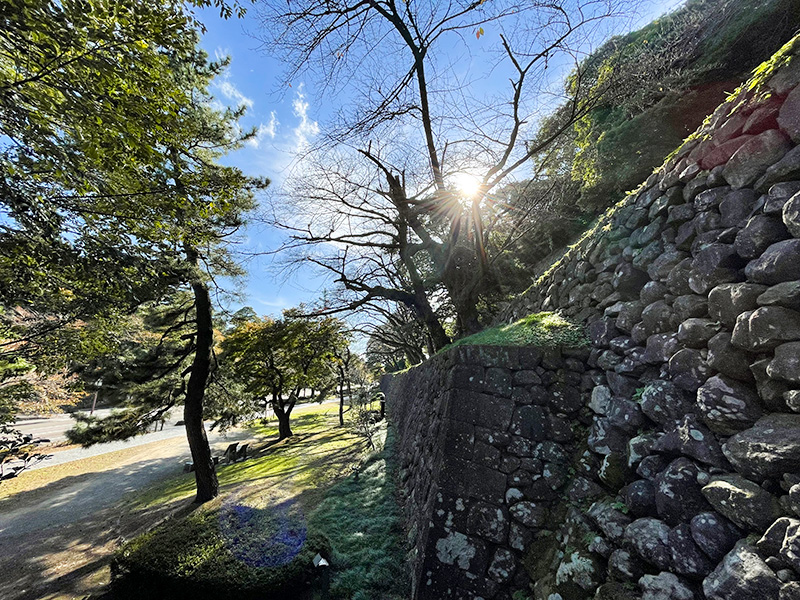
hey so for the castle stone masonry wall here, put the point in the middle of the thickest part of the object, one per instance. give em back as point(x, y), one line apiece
point(662, 462)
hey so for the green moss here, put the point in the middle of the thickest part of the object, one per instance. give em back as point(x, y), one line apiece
point(544, 330)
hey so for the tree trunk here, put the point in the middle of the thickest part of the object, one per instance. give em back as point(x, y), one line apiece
point(205, 475)
point(284, 428)
point(341, 399)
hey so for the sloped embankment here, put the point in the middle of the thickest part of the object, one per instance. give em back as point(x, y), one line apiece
point(662, 462)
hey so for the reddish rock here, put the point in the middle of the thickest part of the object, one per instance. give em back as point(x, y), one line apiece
point(762, 119)
point(731, 128)
point(789, 117)
point(722, 153)
point(750, 161)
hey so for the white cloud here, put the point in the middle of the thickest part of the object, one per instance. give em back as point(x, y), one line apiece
point(269, 130)
point(306, 128)
point(226, 87)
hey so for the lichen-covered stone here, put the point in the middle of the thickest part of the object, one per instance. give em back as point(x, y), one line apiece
point(650, 538)
point(714, 534)
point(742, 575)
point(745, 503)
point(529, 513)
point(677, 493)
point(695, 332)
point(785, 294)
point(729, 360)
point(780, 262)
point(687, 557)
point(640, 498)
point(758, 234)
point(625, 566)
point(727, 405)
point(768, 449)
point(664, 402)
point(488, 522)
point(503, 565)
point(728, 300)
point(713, 265)
point(766, 327)
point(690, 437)
point(611, 521)
point(786, 364)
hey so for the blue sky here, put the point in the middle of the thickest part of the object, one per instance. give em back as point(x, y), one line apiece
point(286, 117)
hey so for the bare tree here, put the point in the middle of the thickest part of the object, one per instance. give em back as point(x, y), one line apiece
point(380, 192)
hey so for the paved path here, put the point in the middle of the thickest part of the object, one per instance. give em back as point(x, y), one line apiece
point(55, 540)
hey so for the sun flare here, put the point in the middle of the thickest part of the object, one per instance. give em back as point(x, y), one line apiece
point(467, 183)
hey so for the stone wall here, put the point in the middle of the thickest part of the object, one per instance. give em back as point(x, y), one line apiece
point(672, 454)
point(486, 437)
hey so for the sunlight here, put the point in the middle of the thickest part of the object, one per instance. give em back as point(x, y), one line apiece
point(467, 183)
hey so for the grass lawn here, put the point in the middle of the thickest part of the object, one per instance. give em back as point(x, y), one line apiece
point(275, 511)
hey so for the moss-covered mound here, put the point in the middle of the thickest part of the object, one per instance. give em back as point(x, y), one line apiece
point(544, 330)
point(244, 548)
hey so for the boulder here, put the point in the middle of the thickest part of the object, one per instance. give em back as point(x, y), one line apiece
point(728, 406)
point(695, 332)
point(665, 586)
point(736, 207)
point(641, 446)
point(729, 360)
point(753, 158)
point(780, 262)
point(786, 364)
point(663, 402)
point(625, 566)
point(687, 557)
point(629, 281)
point(742, 575)
point(656, 317)
point(745, 503)
point(661, 267)
point(790, 549)
point(758, 234)
point(629, 314)
point(601, 332)
point(766, 328)
point(778, 195)
point(789, 115)
point(691, 306)
point(689, 437)
point(502, 566)
point(714, 534)
point(791, 215)
point(660, 347)
point(604, 438)
point(728, 300)
point(688, 369)
point(678, 278)
point(678, 495)
point(713, 265)
point(768, 449)
point(786, 169)
point(612, 522)
point(771, 542)
point(650, 539)
point(640, 498)
point(710, 198)
point(488, 522)
point(786, 294)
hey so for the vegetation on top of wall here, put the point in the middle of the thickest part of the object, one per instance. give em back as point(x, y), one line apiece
point(544, 330)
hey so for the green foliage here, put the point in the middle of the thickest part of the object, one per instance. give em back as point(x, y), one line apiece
point(544, 330)
point(278, 358)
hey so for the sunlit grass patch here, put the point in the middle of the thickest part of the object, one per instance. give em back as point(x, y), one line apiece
point(361, 520)
point(544, 330)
